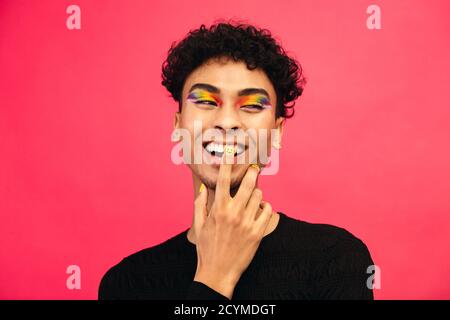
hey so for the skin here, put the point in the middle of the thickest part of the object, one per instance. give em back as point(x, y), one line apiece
point(230, 217)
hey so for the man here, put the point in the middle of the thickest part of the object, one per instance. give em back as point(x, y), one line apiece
point(235, 80)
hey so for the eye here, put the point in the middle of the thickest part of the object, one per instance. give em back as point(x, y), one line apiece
point(253, 107)
point(207, 102)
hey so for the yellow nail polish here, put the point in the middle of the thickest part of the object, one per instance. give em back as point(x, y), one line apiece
point(202, 187)
point(229, 149)
point(254, 165)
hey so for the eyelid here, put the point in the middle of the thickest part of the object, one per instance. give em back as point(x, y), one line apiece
point(254, 99)
point(255, 102)
point(202, 95)
point(203, 101)
point(255, 106)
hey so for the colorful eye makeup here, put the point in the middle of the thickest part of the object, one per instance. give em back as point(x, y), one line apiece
point(203, 96)
point(251, 101)
point(257, 100)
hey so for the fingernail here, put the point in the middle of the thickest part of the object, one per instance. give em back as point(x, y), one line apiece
point(229, 154)
point(254, 165)
point(202, 187)
point(229, 150)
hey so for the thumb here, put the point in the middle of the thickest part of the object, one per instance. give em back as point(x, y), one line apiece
point(200, 211)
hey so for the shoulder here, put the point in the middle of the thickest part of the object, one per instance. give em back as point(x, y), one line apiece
point(119, 281)
point(327, 241)
point(339, 260)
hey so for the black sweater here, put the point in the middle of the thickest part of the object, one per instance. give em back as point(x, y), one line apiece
point(298, 260)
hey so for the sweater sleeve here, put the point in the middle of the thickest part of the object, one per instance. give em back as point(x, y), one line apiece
point(343, 273)
point(107, 289)
point(200, 291)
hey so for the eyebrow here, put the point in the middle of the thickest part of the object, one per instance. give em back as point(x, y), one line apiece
point(206, 87)
point(243, 92)
point(250, 91)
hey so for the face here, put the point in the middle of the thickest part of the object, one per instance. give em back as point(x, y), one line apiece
point(235, 106)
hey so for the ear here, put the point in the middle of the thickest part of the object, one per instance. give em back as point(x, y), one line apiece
point(279, 126)
point(176, 125)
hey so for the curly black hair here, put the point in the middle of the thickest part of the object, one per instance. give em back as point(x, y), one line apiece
point(241, 42)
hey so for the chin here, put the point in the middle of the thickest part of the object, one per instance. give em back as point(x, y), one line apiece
point(208, 174)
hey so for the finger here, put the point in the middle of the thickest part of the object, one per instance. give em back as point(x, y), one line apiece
point(262, 221)
point(224, 178)
point(200, 209)
point(247, 186)
point(253, 205)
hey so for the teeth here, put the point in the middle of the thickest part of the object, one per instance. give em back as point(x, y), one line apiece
point(214, 147)
point(239, 149)
point(219, 148)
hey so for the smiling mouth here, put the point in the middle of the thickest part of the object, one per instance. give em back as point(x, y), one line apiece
point(217, 149)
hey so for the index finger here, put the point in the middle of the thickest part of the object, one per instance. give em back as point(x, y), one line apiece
point(248, 184)
point(224, 178)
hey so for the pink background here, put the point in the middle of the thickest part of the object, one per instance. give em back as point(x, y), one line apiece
point(85, 170)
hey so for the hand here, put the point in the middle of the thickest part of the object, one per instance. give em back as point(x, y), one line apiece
point(227, 238)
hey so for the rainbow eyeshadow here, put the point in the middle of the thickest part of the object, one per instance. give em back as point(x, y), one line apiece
point(255, 99)
point(198, 96)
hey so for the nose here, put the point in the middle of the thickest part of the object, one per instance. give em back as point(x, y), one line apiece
point(227, 119)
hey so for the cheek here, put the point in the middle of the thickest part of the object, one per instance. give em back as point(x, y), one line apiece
point(264, 140)
point(257, 121)
point(198, 118)
point(191, 121)
point(264, 143)
point(263, 131)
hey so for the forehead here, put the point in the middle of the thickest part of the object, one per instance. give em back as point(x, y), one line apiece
point(229, 76)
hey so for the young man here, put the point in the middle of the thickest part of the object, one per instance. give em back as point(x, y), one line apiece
point(234, 78)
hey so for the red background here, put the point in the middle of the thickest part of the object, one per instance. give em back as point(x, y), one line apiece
point(85, 170)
